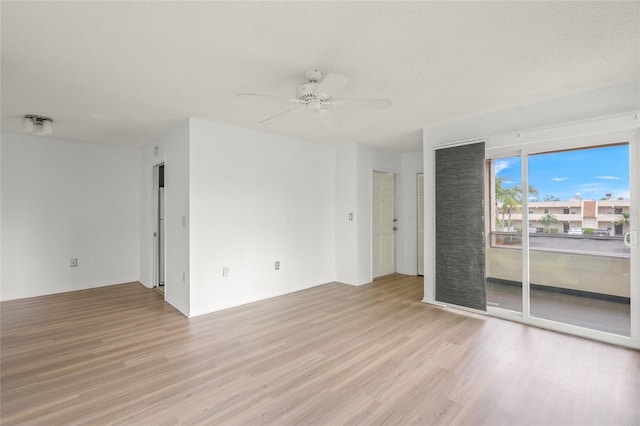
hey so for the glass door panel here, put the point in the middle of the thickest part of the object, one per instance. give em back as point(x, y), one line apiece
point(503, 252)
point(579, 266)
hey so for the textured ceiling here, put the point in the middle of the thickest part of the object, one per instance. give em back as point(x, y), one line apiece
point(125, 73)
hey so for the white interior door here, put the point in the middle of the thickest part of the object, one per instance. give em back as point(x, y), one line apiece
point(384, 224)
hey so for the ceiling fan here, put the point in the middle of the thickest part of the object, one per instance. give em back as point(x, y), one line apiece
point(316, 95)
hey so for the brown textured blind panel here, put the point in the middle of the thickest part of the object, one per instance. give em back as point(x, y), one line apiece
point(460, 263)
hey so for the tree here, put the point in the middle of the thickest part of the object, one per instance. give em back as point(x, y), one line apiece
point(624, 220)
point(547, 220)
point(510, 198)
point(507, 197)
point(550, 198)
point(532, 191)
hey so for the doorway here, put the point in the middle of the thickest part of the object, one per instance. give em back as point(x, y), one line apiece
point(158, 227)
point(384, 224)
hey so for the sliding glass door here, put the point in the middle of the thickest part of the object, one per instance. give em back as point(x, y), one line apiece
point(503, 256)
point(578, 261)
point(559, 251)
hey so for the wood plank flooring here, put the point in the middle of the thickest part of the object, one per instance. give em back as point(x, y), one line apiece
point(333, 354)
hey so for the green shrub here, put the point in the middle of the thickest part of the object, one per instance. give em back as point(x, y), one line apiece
point(588, 231)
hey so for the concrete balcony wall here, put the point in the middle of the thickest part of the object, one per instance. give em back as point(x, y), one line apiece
point(596, 274)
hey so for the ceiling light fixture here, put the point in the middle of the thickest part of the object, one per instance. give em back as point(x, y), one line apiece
point(37, 124)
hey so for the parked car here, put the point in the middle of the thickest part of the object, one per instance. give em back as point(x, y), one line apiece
point(575, 231)
point(533, 230)
point(601, 232)
point(510, 229)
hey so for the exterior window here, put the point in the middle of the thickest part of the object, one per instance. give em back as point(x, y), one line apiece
point(546, 211)
point(618, 210)
point(566, 211)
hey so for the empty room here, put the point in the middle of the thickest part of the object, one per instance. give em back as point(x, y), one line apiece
point(312, 212)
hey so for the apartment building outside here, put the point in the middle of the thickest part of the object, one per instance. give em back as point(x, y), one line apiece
point(573, 216)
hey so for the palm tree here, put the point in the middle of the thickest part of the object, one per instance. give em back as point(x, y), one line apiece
point(624, 220)
point(507, 197)
point(532, 191)
point(547, 220)
point(510, 198)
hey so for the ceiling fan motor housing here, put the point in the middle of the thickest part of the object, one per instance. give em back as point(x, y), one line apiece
point(307, 91)
point(313, 75)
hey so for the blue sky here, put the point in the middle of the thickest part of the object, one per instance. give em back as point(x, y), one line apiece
point(590, 172)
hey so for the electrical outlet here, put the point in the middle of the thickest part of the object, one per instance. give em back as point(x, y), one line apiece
point(351, 217)
point(277, 265)
point(73, 263)
point(225, 272)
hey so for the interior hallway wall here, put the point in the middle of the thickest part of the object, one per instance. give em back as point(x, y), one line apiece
point(173, 151)
point(63, 200)
point(257, 198)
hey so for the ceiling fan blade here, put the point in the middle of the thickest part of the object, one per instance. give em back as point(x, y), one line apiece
point(281, 114)
point(327, 118)
point(362, 103)
point(331, 83)
point(264, 99)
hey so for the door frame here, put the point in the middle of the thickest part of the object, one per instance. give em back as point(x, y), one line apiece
point(590, 133)
point(568, 143)
point(155, 220)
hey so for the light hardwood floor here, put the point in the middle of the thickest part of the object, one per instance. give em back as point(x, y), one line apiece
point(333, 354)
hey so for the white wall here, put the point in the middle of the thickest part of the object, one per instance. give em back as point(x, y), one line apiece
point(64, 200)
point(257, 198)
point(371, 160)
point(177, 225)
point(247, 199)
point(346, 201)
point(173, 151)
point(355, 165)
point(600, 102)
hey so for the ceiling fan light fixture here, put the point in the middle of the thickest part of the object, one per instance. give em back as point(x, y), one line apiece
point(37, 124)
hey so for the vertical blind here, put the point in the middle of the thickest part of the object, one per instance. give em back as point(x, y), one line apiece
point(460, 262)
